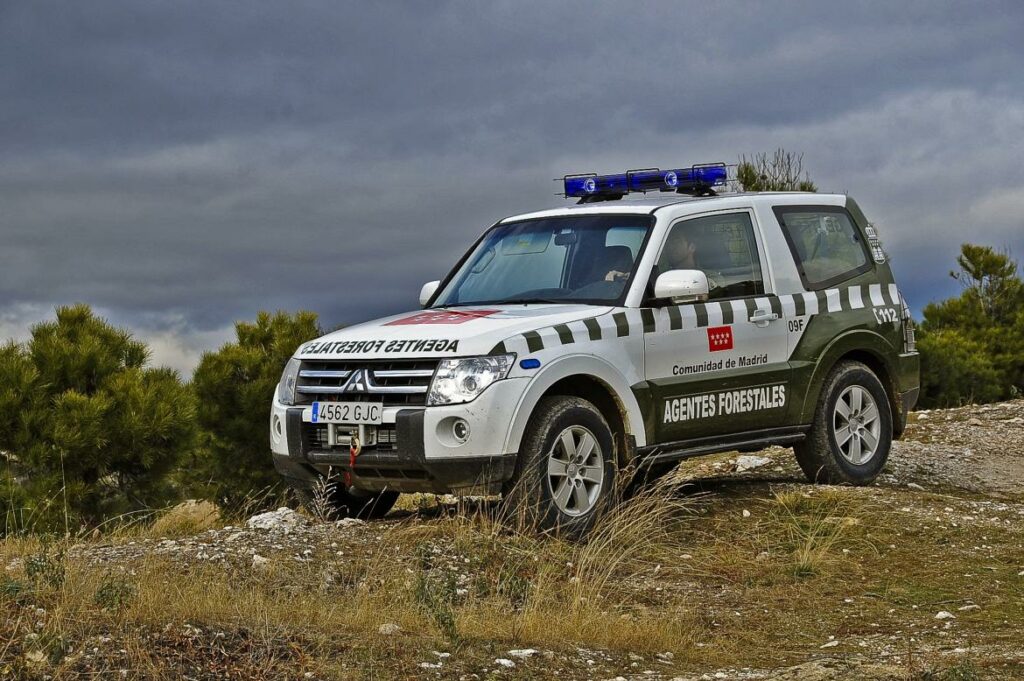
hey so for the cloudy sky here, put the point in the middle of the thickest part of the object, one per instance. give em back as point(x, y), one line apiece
point(180, 165)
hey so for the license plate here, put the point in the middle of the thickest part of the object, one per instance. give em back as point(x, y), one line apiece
point(355, 413)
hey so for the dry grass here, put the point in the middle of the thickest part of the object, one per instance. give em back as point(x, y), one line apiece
point(663, 572)
point(517, 590)
point(187, 518)
point(528, 590)
point(814, 526)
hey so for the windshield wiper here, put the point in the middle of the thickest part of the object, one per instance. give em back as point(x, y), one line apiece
point(528, 301)
point(509, 301)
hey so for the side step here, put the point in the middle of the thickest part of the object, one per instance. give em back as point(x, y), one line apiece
point(688, 449)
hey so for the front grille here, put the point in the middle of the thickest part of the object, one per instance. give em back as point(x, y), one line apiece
point(378, 460)
point(315, 436)
point(395, 383)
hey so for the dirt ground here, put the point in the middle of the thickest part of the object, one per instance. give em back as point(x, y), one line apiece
point(751, 574)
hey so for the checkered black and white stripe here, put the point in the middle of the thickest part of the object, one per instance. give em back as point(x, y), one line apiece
point(631, 321)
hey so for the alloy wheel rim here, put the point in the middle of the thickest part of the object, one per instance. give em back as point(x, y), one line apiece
point(857, 425)
point(575, 471)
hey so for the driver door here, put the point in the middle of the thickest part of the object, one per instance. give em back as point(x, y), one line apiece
point(717, 367)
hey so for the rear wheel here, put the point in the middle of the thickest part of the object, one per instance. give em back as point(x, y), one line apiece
point(851, 435)
point(565, 473)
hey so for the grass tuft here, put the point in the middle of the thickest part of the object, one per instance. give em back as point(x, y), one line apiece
point(815, 526)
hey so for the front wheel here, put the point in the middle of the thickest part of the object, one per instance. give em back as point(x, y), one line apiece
point(565, 474)
point(851, 435)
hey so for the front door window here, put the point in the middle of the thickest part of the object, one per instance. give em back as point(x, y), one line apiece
point(723, 247)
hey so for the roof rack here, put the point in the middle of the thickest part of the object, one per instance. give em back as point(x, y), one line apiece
point(697, 180)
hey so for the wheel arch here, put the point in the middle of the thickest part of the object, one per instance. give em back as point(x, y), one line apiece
point(869, 349)
point(592, 379)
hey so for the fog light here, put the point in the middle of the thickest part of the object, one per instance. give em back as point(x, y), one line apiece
point(460, 430)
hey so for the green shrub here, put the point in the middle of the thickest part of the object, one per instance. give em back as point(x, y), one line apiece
point(235, 386)
point(956, 369)
point(89, 431)
point(972, 345)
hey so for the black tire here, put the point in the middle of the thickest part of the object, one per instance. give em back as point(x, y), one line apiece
point(822, 457)
point(529, 497)
point(362, 505)
point(342, 503)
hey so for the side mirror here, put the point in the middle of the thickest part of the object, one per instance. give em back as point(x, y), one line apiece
point(682, 286)
point(427, 292)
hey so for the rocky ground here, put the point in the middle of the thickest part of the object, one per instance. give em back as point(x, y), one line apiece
point(754, 575)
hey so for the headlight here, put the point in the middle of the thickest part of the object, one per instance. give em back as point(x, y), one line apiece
point(286, 388)
point(461, 380)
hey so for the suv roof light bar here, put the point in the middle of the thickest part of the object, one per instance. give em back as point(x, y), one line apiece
point(698, 180)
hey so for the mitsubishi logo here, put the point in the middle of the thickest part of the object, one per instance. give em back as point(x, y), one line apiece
point(359, 382)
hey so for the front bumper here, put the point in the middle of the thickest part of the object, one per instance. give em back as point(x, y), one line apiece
point(419, 458)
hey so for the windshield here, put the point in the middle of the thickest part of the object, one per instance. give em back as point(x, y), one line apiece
point(577, 259)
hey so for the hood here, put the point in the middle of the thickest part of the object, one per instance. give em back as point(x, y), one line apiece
point(447, 332)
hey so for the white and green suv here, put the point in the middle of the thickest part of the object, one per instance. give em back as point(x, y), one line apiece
point(624, 333)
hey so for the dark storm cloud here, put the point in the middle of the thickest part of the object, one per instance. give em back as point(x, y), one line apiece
point(195, 162)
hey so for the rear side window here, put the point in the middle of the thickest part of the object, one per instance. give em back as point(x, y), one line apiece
point(827, 246)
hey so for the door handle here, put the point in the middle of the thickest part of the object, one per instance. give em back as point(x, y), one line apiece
point(762, 317)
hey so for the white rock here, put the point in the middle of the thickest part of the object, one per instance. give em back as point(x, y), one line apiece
point(259, 561)
point(915, 486)
point(388, 629)
point(746, 513)
point(972, 606)
point(525, 652)
point(430, 665)
point(944, 615)
point(350, 522)
point(282, 520)
point(508, 664)
point(830, 644)
point(748, 462)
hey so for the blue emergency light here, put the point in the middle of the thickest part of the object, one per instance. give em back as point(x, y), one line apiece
point(697, 179)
